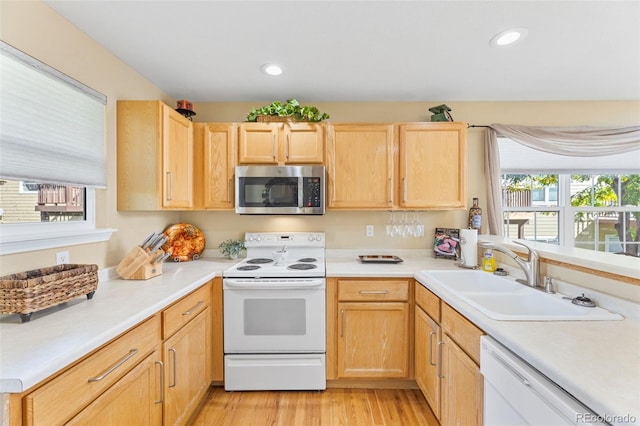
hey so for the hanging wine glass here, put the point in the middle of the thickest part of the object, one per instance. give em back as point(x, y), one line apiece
point(391, 225)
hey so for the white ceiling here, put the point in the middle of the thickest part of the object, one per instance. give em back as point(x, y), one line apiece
point(372, 50)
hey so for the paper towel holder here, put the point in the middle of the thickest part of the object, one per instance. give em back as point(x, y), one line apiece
point(462, 261)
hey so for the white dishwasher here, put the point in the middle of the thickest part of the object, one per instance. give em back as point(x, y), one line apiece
point(515, 393)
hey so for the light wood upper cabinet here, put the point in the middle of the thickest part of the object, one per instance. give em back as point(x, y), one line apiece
point(215, 145)
point(360, 166)
point(432, 165)
point(154, 157)
point(281, 143)
point(410, 166)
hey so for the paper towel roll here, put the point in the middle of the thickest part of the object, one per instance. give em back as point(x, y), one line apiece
point(469, 247)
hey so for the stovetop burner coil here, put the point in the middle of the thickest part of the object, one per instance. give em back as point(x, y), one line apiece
point(260, 260)
point(301, 266)
point(248, 267)
point(308, 259)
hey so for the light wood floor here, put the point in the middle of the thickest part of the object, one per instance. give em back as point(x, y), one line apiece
point(353, 407)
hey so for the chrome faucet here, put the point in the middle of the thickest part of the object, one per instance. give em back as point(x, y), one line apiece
point(528, 266)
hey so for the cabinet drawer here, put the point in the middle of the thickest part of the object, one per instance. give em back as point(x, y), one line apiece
point(64, 396)
point(428, 301)
point(183, 311)
point(372, 290)
point(462, 331)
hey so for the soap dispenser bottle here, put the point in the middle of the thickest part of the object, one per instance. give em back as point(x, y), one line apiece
point(488, 261)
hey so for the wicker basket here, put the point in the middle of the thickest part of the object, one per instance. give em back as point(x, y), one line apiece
point(31, 291)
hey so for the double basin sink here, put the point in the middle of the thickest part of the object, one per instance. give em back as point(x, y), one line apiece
point(504, 299)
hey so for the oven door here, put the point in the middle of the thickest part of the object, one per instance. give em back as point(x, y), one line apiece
point(274, 315)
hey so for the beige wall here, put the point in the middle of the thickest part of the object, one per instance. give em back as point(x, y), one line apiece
point(34, 28)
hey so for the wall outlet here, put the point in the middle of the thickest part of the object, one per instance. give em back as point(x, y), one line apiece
point(62, 257)
point(369, 230)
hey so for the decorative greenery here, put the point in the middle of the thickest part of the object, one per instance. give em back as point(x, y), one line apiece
point(231, 248)
point(291, 108)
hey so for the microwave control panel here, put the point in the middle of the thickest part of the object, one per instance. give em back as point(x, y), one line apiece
point(311, 192)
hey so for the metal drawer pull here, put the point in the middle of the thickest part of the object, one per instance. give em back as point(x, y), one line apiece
point(161, 364)
point(374, 291)
point(431, 348)
point(175, 359)
point(273, 146)
point(439, 358)
point(287, 147)
point(108, 371)
point(170, 182)
point(190, 311)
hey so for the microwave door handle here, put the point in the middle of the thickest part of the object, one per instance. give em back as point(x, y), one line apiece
point(300, 192)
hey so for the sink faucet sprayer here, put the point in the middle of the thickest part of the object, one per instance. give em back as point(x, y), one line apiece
point(529, 266)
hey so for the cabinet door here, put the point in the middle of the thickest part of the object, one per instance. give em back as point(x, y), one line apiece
point(432, 165)
point(373, 340)
point(360, 166)
point(427, 336)
point(215, 163)
point(177, 159)
point(462, 387)
point(136, 399)
point(187, 361)
point(258, 143)
point(303, 143)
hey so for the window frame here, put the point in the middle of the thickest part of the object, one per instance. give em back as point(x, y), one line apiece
point(27, 237)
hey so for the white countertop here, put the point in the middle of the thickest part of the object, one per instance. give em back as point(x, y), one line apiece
point(596, 361)
point(58, 336)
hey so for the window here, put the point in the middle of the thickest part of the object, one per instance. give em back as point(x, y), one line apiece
point(52, 139)
point(30, 202)
point(585, 207)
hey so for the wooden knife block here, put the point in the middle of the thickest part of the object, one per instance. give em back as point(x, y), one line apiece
point(136, 266)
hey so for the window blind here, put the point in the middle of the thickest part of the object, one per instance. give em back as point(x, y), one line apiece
point(518, 158)
point(52, 128)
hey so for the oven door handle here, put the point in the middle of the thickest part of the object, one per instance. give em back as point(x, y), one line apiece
point(264, 284)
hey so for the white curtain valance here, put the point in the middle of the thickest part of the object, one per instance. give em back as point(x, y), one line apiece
point(52, 128)
point(566, 141)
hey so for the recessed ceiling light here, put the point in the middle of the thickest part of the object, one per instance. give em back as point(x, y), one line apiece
point(271, 69)
point(508, 37)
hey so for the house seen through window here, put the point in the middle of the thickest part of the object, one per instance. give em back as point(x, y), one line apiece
point(591, 211)
point(31, 202)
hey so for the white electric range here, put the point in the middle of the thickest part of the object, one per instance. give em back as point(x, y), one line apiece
point(274, 314)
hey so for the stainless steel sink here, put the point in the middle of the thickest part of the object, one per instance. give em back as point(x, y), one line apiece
point(504, 299)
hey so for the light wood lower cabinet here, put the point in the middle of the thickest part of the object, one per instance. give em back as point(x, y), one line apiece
point(72, 391)
point(185, 359)
point(373, 328)
point(186, 355)
point(428, 364)
point(136, 399)
point(137, 379)
point(462, 386)
point(447, 357)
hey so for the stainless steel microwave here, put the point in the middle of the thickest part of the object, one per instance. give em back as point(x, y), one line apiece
point(280, 189)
